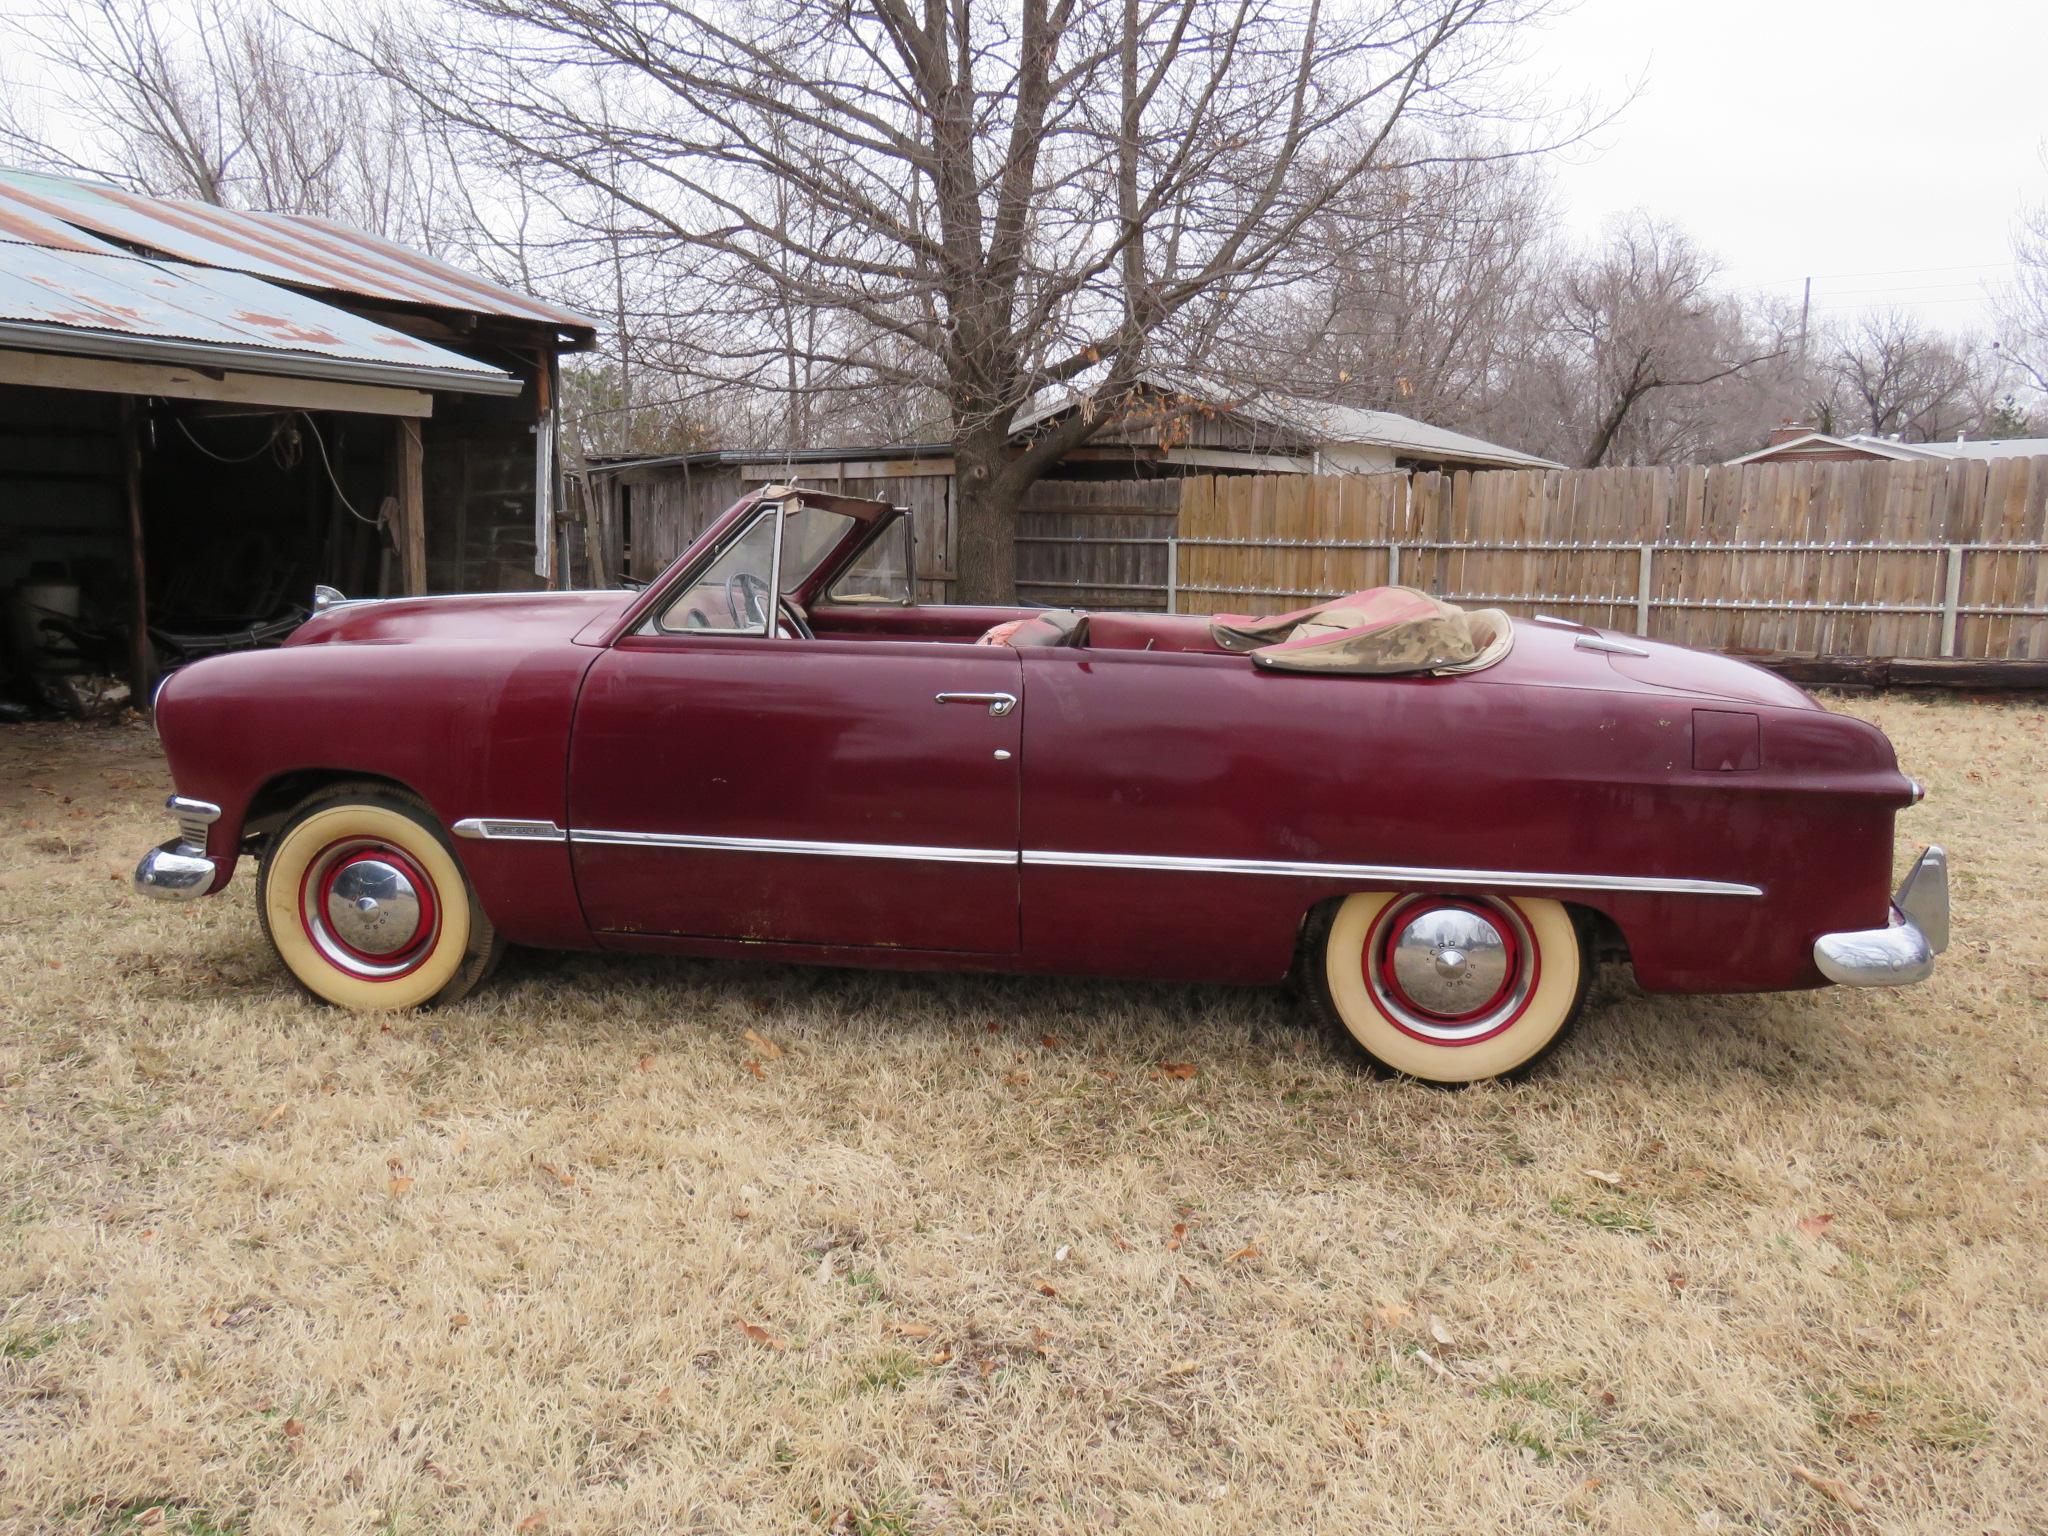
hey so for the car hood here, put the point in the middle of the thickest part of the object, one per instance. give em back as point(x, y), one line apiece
point(505, 617)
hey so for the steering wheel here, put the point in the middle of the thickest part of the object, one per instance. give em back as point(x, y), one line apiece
point(793, 624)
point(747, 595)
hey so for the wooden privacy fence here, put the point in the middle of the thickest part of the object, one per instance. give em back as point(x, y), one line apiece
point(1924, 559)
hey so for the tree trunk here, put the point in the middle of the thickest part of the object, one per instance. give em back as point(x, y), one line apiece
point(984, 519)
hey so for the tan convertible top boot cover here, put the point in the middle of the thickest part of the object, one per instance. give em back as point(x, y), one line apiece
point(1385, 630)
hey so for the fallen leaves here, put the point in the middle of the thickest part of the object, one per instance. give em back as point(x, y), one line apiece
point(293, 1429)
point(1176, 1237)
point(1816, 1226)
point(762, 1336)
point(769, 1050)
point(1602, 1176)
point(1180, 1069)
point(400, 1181)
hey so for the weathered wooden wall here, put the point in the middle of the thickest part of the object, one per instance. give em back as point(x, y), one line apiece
point(1096, 543)
point(648, 514)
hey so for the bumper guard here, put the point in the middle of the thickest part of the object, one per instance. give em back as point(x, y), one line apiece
point(180, 870)
point(1902, 952)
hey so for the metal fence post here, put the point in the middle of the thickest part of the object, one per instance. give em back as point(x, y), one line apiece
point(1951, 601)
point(1393, 565)
point(1647, 553)
point(1172, 574)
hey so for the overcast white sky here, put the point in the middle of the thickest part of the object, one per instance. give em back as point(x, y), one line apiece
point(1882, 148)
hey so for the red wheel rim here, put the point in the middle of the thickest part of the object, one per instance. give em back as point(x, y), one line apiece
point(1497, 1009)
point(316, 898)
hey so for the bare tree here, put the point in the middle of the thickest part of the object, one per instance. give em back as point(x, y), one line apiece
point(226, 102)
point(1424, 296)
point(1636, 325)
point(2023, 308)
point(987, 201)
point(1892, 377)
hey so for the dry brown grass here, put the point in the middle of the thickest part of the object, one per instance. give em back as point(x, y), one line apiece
point(962, 1259)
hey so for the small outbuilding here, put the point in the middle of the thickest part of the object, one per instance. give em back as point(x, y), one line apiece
point(647, 510)
point(204, 413)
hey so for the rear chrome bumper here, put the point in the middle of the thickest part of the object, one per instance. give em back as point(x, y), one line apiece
point(180, 870)
point(1902, 952)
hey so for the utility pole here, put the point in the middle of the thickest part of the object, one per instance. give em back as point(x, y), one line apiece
point(1805, 308)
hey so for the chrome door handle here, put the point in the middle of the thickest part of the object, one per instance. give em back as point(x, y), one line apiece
point(998, 703)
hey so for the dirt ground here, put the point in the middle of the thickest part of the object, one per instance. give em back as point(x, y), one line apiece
point(624, 1245)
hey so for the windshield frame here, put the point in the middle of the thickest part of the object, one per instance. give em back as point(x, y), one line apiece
point(776, 514)
point(640, 617)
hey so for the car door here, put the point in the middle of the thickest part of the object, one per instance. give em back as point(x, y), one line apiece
point(794, 790)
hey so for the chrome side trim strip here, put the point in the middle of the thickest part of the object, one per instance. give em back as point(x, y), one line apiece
point(1398, 874)
point(799, 846)
point(1395, 874)
point(499, 829)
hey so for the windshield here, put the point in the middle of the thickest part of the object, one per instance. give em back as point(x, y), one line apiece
point(809, 535)
point(731, 594)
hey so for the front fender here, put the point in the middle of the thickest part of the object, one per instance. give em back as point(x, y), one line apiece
point(471, 728)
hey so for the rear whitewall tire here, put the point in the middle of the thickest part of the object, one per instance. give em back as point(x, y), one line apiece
point(1535, 1004)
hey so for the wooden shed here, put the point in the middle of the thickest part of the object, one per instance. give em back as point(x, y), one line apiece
point(204, 412)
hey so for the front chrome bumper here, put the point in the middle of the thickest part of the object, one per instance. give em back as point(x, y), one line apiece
point(180, 870)
point(1902, 952)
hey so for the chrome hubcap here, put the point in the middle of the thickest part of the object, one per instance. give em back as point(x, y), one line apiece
point(372, 907)
point(369, 909)
point(1450, 970)
point(1449, 961)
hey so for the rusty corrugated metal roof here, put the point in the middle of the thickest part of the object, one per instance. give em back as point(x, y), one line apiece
point(304, 252)
point(102, 303)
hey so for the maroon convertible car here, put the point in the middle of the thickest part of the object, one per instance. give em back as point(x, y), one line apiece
point(773, 752)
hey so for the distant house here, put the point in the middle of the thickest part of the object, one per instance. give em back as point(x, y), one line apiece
point(1793, 444)
point(1183, 424)
point(650, 509)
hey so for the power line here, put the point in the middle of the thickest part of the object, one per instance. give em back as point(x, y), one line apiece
point(1830, 277)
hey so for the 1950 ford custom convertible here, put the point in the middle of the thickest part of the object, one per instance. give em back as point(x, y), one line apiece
point(772, 752)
